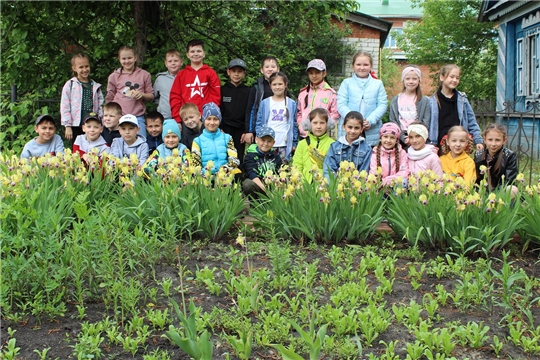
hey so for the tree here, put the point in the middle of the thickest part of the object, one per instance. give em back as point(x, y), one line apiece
point(450, 33)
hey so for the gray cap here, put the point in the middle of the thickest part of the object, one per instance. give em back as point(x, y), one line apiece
point(44, 117)
point(237, 62)
point(266, 131)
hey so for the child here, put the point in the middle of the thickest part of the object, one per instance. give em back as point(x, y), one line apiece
point(213, 144)
point(164, 81)
point(171, 141)
point(318, 94)
point(421, 156)
point(260, 91)
point(80, 96)
point(278, 112)
point(197, 83)
point(131, 142)
point(234, 100)
point(259, 159)
point(450, 107)
point(130, 86)
point(47, 142)
point(455, 161)
point(501, 162)
point(191, 123)
point(154, 127)
point(349, 147)
point(389, 156)
point(363, 93)
point(409, 105)
point(312, 150)
point(112, 112)
point(91, 139)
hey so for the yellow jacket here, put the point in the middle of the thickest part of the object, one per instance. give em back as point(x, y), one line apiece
point(463, 166)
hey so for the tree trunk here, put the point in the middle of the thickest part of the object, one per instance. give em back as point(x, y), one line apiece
point(140, 25)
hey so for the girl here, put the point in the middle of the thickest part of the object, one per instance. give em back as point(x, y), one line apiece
point(450, 107)
point(421, 156)
point(278, 113)
point(318, 94)
point(349, 147)
point(455, 161)
point(80, 97)
point(312, 150)
point(389, 156)
point(501, 162)
point(363, 93)
point(130, 86)
point(409, 105)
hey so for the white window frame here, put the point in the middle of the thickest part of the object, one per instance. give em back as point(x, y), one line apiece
point(519, 67)
point(528, 64)
point(391, 39)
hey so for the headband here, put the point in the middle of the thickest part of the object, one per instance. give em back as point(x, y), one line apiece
point(419, 129)
point(411, 68)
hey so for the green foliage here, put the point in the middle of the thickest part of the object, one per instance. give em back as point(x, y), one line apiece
point(450, 33)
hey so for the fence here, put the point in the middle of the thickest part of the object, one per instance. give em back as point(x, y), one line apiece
point(523, 128)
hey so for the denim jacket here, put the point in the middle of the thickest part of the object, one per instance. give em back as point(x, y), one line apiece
point(359, 152)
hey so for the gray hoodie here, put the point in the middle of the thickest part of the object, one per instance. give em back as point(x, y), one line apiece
point(120, 149)
point(162, 89)
point(34, 149)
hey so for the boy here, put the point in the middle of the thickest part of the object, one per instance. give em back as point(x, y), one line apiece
point(259, 159)
point(154, 127)
point(260, 91)
point(213, 144)
point(112, 112)
point(171, 140)
point(197, 83)
point(91, 138)
point(164, 81)
point(130, 142)
point(47, 142)
point(234, 99)
point(191, 123)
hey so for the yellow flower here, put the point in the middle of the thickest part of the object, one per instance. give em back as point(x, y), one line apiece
point(520, 177)
point(241, 239)
point(353, 200)
point(423, 199)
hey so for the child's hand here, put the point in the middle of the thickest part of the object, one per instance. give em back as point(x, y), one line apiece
point(479, 147)
point(85, 158)
point(137, 95)
point(69, 133)
point(367, 125)
point(247, 138)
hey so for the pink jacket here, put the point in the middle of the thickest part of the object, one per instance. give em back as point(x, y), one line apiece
point(322, 96)
point(122, 84)
point(388, 164)
point(425, 159)
point(70, 103)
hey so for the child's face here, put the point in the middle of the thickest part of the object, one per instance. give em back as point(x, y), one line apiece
point(318, 126)
point(236, 74)
point(45, 131)
point(362, 66)
point(388, 141)
point(173, 63)
point(127, 59)
point(457, 142)
point(494, 141)
point(269, 67)
point(353, 129)
point(416, 141)
point(451, 81)
point(316, 76)
point(171, 141)
point(192, 120)
point(411, 81)
point(129, 133)
point(196, 54)
point(111, 119)
point(211, 123)
point(82, 67)
point(278, 86)
point(154, 127)
point(265, 143)
point(92, 129)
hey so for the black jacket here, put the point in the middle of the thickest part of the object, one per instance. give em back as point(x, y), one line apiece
point(504, 163)
point(234, 101)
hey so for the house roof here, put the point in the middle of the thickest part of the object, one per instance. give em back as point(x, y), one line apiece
point(390, 8)
point(373, 22)
point(494, 9)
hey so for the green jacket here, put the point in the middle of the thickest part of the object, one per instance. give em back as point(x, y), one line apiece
point(311, 150)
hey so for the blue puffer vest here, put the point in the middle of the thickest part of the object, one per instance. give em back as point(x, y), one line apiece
point(213, 147)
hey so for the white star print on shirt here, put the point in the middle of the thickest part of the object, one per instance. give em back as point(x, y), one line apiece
point(197, 87)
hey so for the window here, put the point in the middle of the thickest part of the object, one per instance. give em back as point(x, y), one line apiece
point(391, 39)
point(528, 63)
point(519, 67)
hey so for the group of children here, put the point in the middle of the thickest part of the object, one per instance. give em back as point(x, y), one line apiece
point(211, 124)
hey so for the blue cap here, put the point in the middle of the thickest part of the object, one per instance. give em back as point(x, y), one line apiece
point(266, 131)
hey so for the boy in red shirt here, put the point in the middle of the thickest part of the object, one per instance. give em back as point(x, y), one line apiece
point(196, 83)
